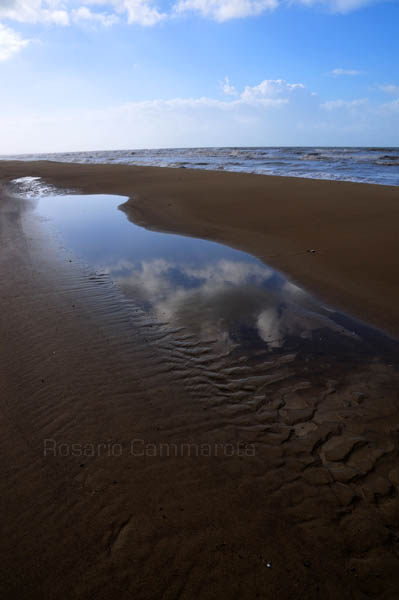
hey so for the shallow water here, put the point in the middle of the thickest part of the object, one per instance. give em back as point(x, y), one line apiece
point(214, 292)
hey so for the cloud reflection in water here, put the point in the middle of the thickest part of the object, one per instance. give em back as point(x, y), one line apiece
point(220, 300)
point(212, 290)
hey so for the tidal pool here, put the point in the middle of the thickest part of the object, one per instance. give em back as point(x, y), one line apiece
point(213, 291)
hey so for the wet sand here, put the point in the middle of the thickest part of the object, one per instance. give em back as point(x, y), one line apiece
point(312, 513)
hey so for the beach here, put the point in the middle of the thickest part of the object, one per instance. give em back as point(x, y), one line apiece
point(143, 462)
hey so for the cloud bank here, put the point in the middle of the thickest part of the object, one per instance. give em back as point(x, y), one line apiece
point(35, 11)
point(148, 13)
point(273, 113)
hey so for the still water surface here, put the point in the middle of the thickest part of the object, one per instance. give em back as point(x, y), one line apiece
point(215, 292)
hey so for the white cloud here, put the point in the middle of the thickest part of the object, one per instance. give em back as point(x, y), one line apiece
point(148, 13)
point(227, 88)
point(59, 12)
point(139, 12)
point(343, 104)
point(338, 72)
point(390, 89)
point(391, 106)
point(338, 6)
point(270, 93)
point(182, 104)
point(35, 11)
point(10, 42)
point(224, 10)
point(85, 15)
point(269, 88)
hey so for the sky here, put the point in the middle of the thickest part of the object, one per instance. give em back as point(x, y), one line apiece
point(116, 74)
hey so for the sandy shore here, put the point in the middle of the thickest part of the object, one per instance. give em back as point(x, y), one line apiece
point(353, 227)
point(311, 513)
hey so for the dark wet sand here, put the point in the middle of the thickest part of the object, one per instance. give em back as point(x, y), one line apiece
point(318, 502)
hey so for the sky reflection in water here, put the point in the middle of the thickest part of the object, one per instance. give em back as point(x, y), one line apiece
point(214, 291)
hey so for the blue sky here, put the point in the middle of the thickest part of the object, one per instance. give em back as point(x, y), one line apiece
point(135, 73)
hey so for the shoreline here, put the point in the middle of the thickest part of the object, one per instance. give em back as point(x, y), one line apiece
point(356, 164)
point(352, 226)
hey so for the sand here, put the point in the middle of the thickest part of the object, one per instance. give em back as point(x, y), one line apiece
point(312, 514)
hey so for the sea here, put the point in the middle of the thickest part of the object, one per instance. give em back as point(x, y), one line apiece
point(363, 165)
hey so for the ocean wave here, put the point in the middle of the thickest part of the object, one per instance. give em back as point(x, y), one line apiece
point(388, 163)
point(372, 165)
